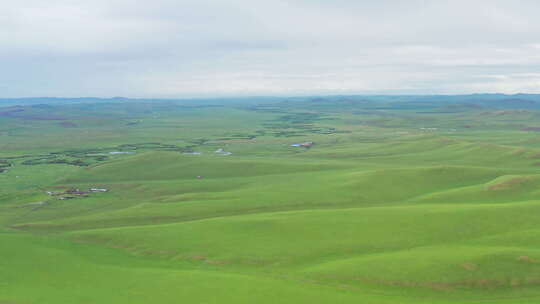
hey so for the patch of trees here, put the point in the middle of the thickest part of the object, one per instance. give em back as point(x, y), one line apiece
point(4, 164)
point(44, 161)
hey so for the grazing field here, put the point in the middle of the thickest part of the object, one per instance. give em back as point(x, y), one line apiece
point(355, 199)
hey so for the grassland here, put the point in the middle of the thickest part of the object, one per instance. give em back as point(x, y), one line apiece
point(399, 200)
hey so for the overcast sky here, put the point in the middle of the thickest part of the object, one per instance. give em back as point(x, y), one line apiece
point(181, 48)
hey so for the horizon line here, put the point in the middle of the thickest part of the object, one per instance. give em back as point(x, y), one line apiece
point(259, 96)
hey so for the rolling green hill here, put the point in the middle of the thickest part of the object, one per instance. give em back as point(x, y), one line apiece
point(378, 210)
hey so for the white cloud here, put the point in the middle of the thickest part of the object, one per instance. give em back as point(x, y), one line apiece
point(175, 48)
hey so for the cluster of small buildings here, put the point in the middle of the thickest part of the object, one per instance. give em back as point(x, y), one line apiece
point(75, 193)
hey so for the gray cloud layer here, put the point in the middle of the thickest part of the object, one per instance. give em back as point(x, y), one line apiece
point(176, 48)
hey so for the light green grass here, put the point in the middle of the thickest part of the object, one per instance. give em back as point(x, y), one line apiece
point(380, 212)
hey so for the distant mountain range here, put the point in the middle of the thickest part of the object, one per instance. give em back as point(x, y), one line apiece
point(514, 101)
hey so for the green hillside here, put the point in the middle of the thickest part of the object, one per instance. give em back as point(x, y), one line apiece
point(377, 210)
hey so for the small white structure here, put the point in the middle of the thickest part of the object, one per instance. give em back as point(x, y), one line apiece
point(306, 144)
point(220, 151)
point(98, 190)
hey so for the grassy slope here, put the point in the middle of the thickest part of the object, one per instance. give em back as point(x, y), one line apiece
point(370, 217)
